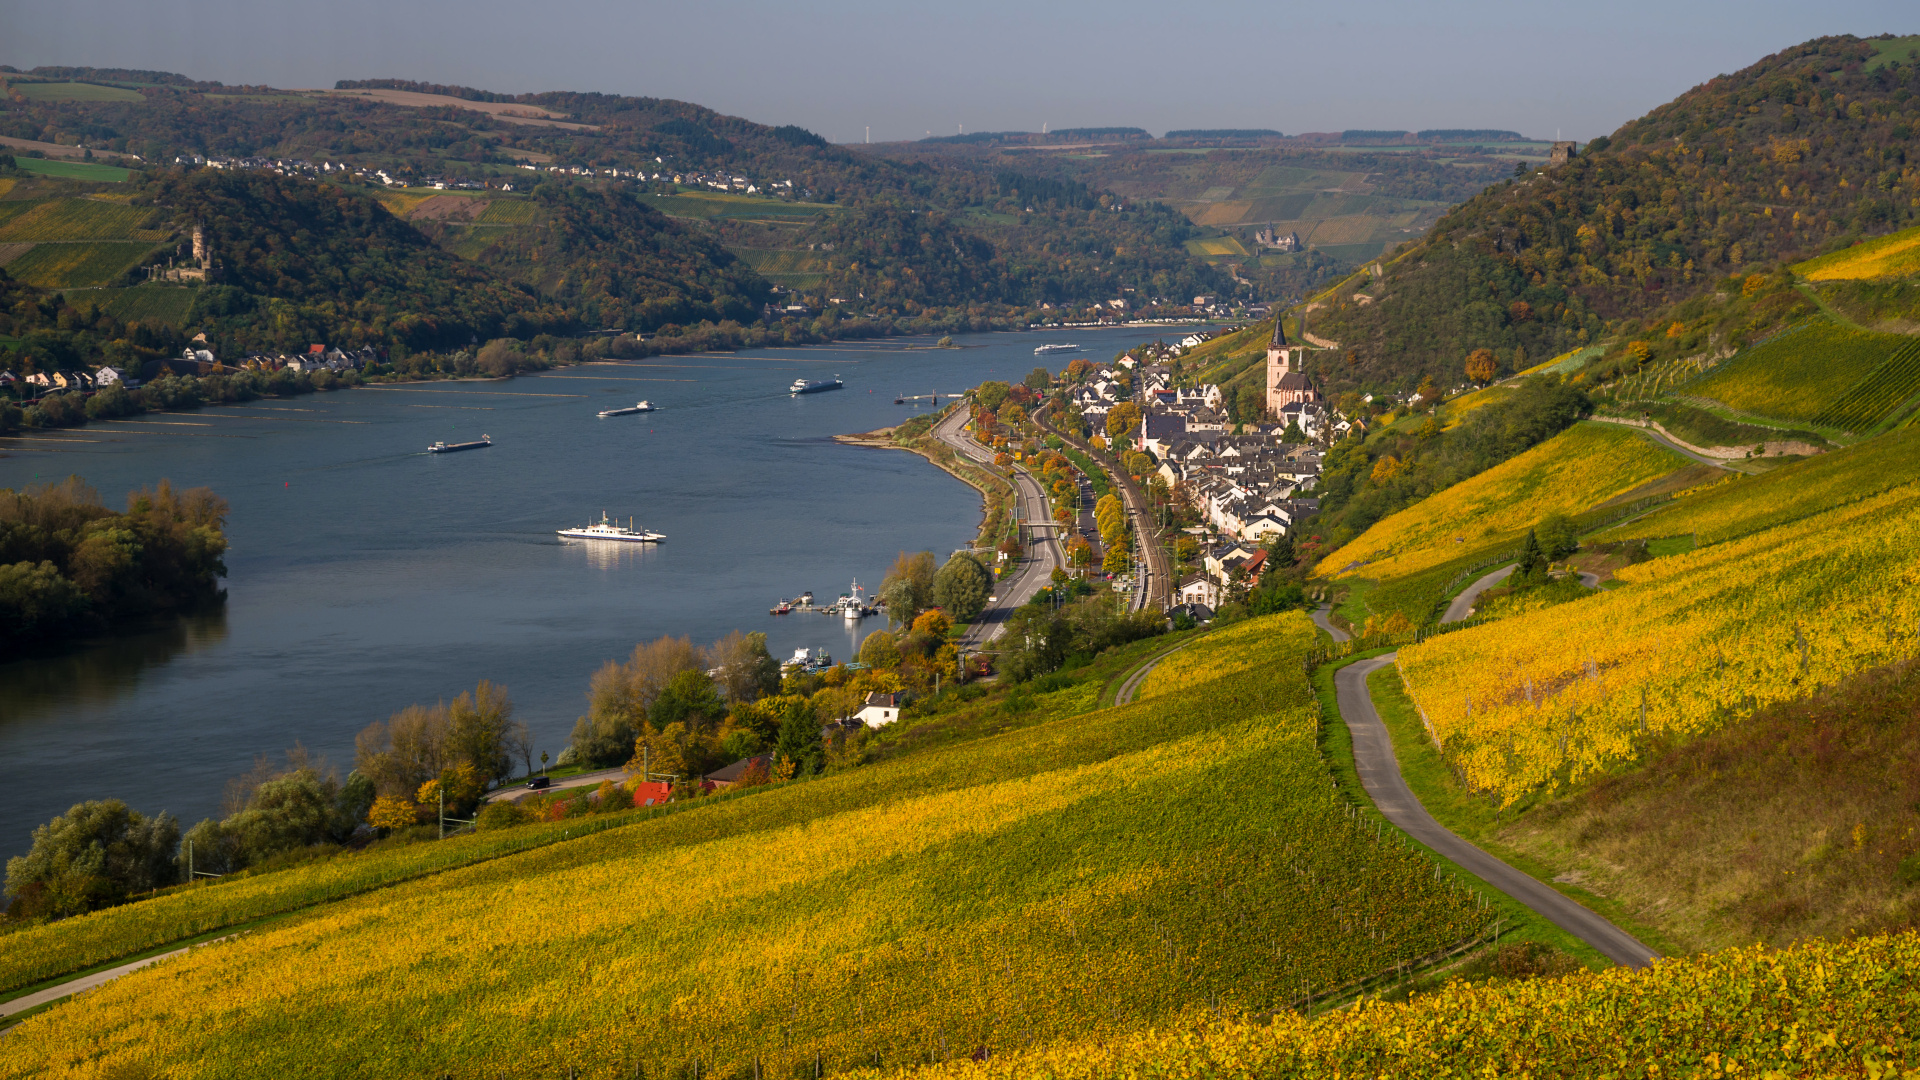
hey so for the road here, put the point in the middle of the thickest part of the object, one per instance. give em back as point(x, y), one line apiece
point(519, 791)
point(85, 982)
point(1139, 676)
point(1663, 441)
point(1379, 770)
point(1044, 552)
point(1461, 606)
point(1320, 620)
point(1157, 588)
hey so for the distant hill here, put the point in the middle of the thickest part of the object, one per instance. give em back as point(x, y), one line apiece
point(1770, 164)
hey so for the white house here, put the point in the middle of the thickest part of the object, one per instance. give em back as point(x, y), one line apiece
point(109, 376)
point(880, 709)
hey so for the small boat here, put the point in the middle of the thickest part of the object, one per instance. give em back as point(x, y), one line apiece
point(781, 608)
point(1054, 350)
point(607, 529)
point(444, 447)
point(814, 386)
point(805, 599)
point(643, 406)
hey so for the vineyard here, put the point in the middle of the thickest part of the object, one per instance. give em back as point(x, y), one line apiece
point(79, 266)
point(157, 303)
point(509, 212)
point(1081, 878)
point(75, 219)
point(1739, 507)
point(1579, 468)
point(1895, 255)
point(1696, 641)
point(1824, 1008)
point(1803, 374)
point(1883, 391)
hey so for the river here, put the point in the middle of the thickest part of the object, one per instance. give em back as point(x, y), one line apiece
point(366, 575)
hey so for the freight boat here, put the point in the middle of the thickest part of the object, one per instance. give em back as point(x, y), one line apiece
point(804, 386)
point(444, 447)
point(640, 407)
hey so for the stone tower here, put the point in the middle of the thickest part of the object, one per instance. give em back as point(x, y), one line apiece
point(199, 244)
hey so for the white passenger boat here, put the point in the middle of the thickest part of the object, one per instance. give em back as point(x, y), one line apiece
point(1054, 350)
point(608, 529)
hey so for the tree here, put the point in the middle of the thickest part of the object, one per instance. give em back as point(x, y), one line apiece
point(880, 650)
point(400, 753)
point(1121, 423)
point(1117, 560)
point(935, 623)
point(747, 671)
point(689, 698)
point(1559, 536)
point(798, 748)
point(1533, 562)
point(621, 694)
point(908, 586)
point(1481, 366)
point(990, 394)
point(1139, 463)
point(97, 853)
point(482, 732)
point(392, 813)
point(962, 586)
point(1039, 379)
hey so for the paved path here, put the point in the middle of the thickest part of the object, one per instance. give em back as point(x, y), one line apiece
point(84, 982)
point(1463, 603)
point(521, 790)
point(1663, 441)
point(1380, 774)
point(1139, 677)
point(1044, 552)
point(1320, 620)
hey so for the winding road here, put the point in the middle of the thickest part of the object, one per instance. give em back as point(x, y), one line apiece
point(1044, 553)
point(1379, 771)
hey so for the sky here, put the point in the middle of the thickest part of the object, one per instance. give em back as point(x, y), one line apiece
point(844, 68)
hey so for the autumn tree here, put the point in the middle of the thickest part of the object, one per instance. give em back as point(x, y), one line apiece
point(908, 586)
point(1481, 366)
point(1122, 421)
point(1039, 379)
point(880, 650)
point(96, 853)
point(747, 671)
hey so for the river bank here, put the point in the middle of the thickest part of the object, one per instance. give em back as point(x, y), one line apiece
point(996, 492)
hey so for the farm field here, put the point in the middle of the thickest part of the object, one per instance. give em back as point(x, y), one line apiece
point(1746, 505)
point(56, 266)
point(1803, 374)
point(73, 219)
point(509, 212)
point(784, 266)
point(1079, 878)
point(719, 205)
point(1580, 468)
point(1891, 256)
point(71, 91)
point(158, 303)
point(1694, 642)
point(1755, 1006)
point(74, 170)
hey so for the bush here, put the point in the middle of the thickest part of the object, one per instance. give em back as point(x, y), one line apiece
point(95, 854)
point(501, 814)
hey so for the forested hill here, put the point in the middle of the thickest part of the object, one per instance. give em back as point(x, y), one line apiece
point(1806, 149)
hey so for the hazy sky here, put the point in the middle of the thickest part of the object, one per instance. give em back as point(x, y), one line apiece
point(836, 66)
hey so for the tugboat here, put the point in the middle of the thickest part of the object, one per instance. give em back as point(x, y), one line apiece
point(804, 386)
point(643, 406)
point(444, 447)
point(781, 608)
point(607, 529)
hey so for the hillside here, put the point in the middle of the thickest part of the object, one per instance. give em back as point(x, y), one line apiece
point(1086, 875)
point(1771, 164)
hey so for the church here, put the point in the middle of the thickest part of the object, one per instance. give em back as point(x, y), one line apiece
point(1286, 384)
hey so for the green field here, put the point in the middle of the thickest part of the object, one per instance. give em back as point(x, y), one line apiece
point(785, 266)
point(72, 91)
point(60, 266)
point(509, 212)
point(717, 205)
point(73, 219)
point(146, 303)
point(1214, 247)
point(1817, 373)
point(73, 170)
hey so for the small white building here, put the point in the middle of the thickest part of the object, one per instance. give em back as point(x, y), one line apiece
point(880, 710)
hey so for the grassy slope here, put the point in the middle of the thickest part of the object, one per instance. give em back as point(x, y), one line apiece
point(1083, 875)
point(1577, 469)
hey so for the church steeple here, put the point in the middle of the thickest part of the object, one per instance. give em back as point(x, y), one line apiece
point(1279, 333)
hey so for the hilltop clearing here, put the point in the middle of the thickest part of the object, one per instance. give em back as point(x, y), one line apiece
point(1769, 164)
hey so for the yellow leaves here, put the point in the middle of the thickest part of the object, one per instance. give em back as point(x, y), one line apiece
point(391, 813)
point(1697, 641)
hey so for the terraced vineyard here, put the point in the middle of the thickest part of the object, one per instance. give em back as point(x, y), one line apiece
point(74, 219)
point(57, 266)
point(1582, 467)
point(1892, 256)
point(1802, 374)
point(1695, 641)
point(75, 243)
point(1079, 878)
point(1889, 386)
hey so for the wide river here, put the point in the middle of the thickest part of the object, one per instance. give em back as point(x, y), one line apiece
point(366, 575)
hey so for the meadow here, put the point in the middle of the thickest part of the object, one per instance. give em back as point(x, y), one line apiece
point(1801, 374)
point(1840, 1008)
point(509, 212)
point(72, 91)
point(55, 266)
point(1894, 255)
point(73, 170)
point(1079, 878)
point(1694, 642)
point(1580, 468)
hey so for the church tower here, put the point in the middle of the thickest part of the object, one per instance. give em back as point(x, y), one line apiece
point(1285, 383)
